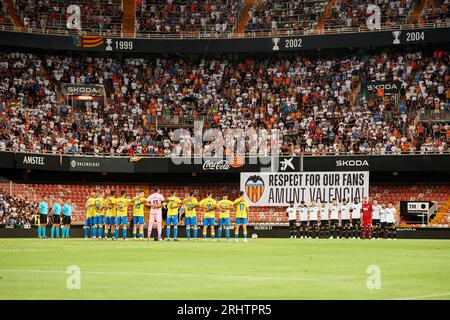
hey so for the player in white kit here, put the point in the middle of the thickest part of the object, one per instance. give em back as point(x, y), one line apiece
point(324, 220)
point(155, 201)
point(334, 219)
point(313, 215)
point(345, 219)
point(383, 221)
point(376, 210)
point(390, 221)
point(356, 219)
point(291, 213)
point(303, 210)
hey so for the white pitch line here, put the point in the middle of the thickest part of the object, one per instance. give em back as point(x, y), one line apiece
point(173, 274)
point(423, 297)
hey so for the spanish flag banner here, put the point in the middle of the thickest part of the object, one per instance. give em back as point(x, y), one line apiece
point(88, 41)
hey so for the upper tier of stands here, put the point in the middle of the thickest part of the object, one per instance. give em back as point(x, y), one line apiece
point(188, 16)
point(96, 15)
point(219, 17)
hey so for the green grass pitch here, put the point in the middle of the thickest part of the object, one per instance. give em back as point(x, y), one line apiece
point(259, 269)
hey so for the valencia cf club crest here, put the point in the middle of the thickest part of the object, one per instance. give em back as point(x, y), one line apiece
point(254, 187)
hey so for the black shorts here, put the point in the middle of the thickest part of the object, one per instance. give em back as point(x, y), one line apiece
point(389, 224)
point(313, 223)
point(56, 219)
point(324, 223)
point(375, 222)
point(383, 224)
point(334, 222)
point(356, 222)
point(43, 218)
point(345, 222)
point(66, 219)
point(304, 223)
point(292, 223)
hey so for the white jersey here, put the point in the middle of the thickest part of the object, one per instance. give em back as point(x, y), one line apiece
point(292, 213)
point(313, 213)
point(376, 210)
point(334, 212)
point(356, 214)
point(324, 213)
point(390, 215)
point(345, 212)
point(155, 199)
point(303, 213)
point(383, 215)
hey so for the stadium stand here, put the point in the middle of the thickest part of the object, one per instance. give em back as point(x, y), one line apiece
point(5, 18)
point(188, 17)
point(32, 193)
point(353, 14)
point(97, 15)
point(308, 98)
point(437, 11)
point(295, 16)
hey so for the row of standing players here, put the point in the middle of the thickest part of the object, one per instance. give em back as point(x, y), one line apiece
point(105, 213)
point(346, 220)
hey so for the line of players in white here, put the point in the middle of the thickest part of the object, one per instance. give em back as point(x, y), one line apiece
point(342, 220)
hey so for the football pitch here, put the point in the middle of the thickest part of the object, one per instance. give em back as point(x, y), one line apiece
point(259, 269)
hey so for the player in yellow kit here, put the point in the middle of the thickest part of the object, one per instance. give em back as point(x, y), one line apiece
point(241, 216)
point(209, 206)
point(100, 213)
point(110, 222)
point(173, 204)
point(122, 204)
point(138, 214)
point(190, 215)
point(224, 206)
point(90, 214)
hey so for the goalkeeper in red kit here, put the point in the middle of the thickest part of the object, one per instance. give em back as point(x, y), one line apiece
point(366, 218)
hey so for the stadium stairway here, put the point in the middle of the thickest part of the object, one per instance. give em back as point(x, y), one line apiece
point(245, 17)
point(326, 14)
point(417, 11)
point(443, 215)
point(18, 23)
point(129, 18)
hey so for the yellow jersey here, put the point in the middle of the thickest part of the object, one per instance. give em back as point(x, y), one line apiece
point(189, 207)
point(122, 206)
point(241, 207)
point(224, 207)
point(110, 206)
point(98, 206)
point(173, 205)
point(90, 207)
point(208, 205)
point(138, 207)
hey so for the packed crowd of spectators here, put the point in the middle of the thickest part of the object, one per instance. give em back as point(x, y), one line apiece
point(15, 211)
point(353, 13)
point(96, 15)
point(274, 15)
point(187, 16)
point(437, 11)
point(308, 98)
point(5, 19)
